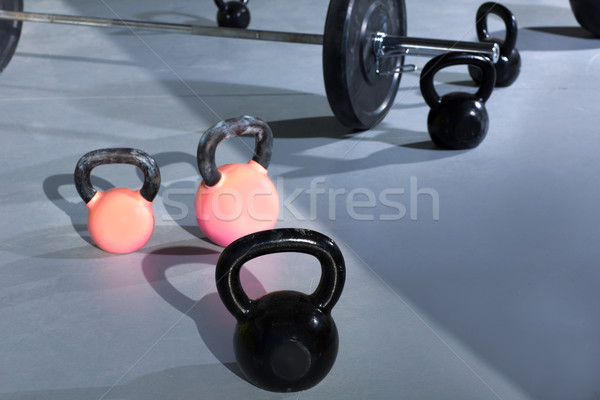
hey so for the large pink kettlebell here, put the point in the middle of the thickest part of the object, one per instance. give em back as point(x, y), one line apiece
point(235, 200)
point(120, 220)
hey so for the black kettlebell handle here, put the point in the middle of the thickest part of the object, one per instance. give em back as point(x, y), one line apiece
point(135, 157)
point(221, 5)
point(488, 75)
point(245, 125)
point(333, 270)
point(510, 21)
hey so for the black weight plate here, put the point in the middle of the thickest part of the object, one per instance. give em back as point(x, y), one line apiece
point(358, 96)
point(587, 13)
point(10, 31)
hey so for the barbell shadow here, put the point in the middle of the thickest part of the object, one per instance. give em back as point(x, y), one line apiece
point(319, 166)
point(92, 60)
point(303, 117)
point(428, 145)
point(330, 128)
point(226, 99)
point(563, 38)
point(213, 322)
point(152, 16)
point(404, 106)
point(311, 127)
point(567, 31)
point(189, 18)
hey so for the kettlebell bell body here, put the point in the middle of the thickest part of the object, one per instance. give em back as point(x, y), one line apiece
point(297, 350)
point(233, 14)
point(457, 120)
point(235, 199)
point(587, 13)
point(508, 65)
point(120, 220)
point(284, 341)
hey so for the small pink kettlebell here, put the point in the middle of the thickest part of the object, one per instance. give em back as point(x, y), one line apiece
point(120, 220)
point(235, 200)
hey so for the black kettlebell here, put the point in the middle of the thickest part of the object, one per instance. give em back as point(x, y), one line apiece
point(284, 341)
point(458, 120)
point(508, 66)
point(233, 14)
point(587, 13)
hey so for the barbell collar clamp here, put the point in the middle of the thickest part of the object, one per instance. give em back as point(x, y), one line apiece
point(400, 70)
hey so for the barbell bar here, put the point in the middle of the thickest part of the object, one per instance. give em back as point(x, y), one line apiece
point(364, 44)
point(386, 45)
point(199, 30)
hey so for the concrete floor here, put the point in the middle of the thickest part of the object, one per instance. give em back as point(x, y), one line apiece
point(476, 277)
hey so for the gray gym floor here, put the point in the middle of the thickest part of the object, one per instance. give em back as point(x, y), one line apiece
point(470, 274)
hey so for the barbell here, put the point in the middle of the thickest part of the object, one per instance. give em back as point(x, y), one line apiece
point(364, 44)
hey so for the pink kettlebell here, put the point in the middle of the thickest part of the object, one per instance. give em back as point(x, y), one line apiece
point(235, 200)
point(120, 220)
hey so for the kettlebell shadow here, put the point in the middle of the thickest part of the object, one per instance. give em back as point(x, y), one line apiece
point(295, 136)
point(178, 197)
point(213, 322)
point(175, 157)
point(77, 212)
